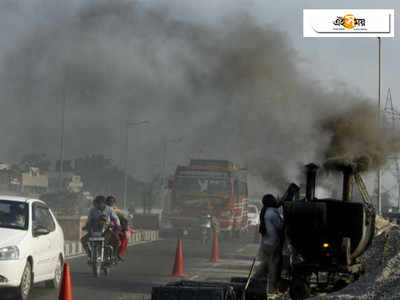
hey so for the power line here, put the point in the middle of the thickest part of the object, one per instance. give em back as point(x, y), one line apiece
point(393, 116)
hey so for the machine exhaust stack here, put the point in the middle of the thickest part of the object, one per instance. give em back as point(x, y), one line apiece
point(348, 183)
point(311, 180)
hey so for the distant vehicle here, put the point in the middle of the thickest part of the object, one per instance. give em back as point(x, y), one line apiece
point(253, 215)
point(205, 228)
point(31, 245)
point(215, 187)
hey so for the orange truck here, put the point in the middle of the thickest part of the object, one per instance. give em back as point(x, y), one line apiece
point(214, 187)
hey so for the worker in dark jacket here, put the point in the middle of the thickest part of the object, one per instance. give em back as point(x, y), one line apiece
point(270, 253)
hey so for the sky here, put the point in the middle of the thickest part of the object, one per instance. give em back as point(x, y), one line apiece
point(44, 35)
point(352, 61)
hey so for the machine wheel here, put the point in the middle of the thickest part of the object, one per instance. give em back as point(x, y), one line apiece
point(299, 289)
point(22, 292)
point(55, 283)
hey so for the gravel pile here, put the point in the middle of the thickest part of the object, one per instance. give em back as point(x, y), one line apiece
point(382, 268)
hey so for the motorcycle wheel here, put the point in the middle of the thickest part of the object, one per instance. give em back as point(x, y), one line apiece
point(96, 269)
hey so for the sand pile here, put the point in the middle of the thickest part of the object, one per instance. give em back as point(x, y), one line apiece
point(382, 267)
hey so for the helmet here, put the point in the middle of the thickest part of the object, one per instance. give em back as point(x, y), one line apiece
point(99, 199)
point(110, 199)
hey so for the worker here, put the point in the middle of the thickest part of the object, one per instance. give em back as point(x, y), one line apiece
point(270, 253)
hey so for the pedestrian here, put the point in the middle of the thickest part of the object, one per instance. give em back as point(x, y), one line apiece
point(270, 252)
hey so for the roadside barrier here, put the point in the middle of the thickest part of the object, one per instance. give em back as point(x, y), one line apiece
point(74, 248)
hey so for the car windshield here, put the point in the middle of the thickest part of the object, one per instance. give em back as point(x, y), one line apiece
point(252, 210)
point(14, 214)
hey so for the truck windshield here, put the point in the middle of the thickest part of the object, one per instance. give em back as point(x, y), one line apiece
point(203, 182)
point(14, 215)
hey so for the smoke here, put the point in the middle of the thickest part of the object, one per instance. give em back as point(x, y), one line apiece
point(358, 140)
point(228, 90)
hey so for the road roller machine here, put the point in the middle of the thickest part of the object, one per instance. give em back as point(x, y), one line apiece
point(326, 235)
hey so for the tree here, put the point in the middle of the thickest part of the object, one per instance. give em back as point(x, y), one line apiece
point(64, 203)
point(101, 176)
point(35, 160)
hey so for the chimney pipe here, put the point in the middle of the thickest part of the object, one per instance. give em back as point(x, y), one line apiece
point(311, 171)
point(348, 182)
point(292, 193)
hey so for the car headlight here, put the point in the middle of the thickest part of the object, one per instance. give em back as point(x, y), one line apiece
point(9, 253)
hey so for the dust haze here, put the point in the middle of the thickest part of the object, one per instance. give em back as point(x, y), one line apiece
point(228, 90)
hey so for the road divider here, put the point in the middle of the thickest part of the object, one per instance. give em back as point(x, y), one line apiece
point(74, 248)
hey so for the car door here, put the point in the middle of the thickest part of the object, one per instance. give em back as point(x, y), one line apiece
point(41, 243)
point(54, 238)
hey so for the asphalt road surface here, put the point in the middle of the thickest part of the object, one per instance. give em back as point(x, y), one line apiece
point(150, 264)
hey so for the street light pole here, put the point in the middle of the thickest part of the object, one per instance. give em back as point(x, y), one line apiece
point(127, 126)
point(379, 121)
point(61, 170)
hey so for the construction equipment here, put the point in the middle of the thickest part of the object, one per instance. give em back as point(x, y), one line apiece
point(327, 235)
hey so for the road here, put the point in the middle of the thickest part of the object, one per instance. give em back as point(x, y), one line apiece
point(149, 265)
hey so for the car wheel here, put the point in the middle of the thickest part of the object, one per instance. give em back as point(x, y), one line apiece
point(25, 286)
point(55, 283)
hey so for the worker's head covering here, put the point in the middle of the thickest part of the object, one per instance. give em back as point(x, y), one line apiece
point(269, 201)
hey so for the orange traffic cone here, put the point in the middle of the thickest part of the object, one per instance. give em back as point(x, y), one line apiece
point(178, 266)
point(66, 287)
point(215, 249)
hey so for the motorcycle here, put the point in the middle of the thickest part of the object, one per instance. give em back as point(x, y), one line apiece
point(205, 228)
point(100, 254)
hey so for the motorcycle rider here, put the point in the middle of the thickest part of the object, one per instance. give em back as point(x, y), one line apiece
point(205, 226)
point(96, 214)
point(271, 230)
point(123, 241)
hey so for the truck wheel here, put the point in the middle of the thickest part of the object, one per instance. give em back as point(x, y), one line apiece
point(238, 234)
point(22, 292)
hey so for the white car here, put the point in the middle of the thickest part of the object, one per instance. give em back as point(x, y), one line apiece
point(253, 215)
point(31, 245)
